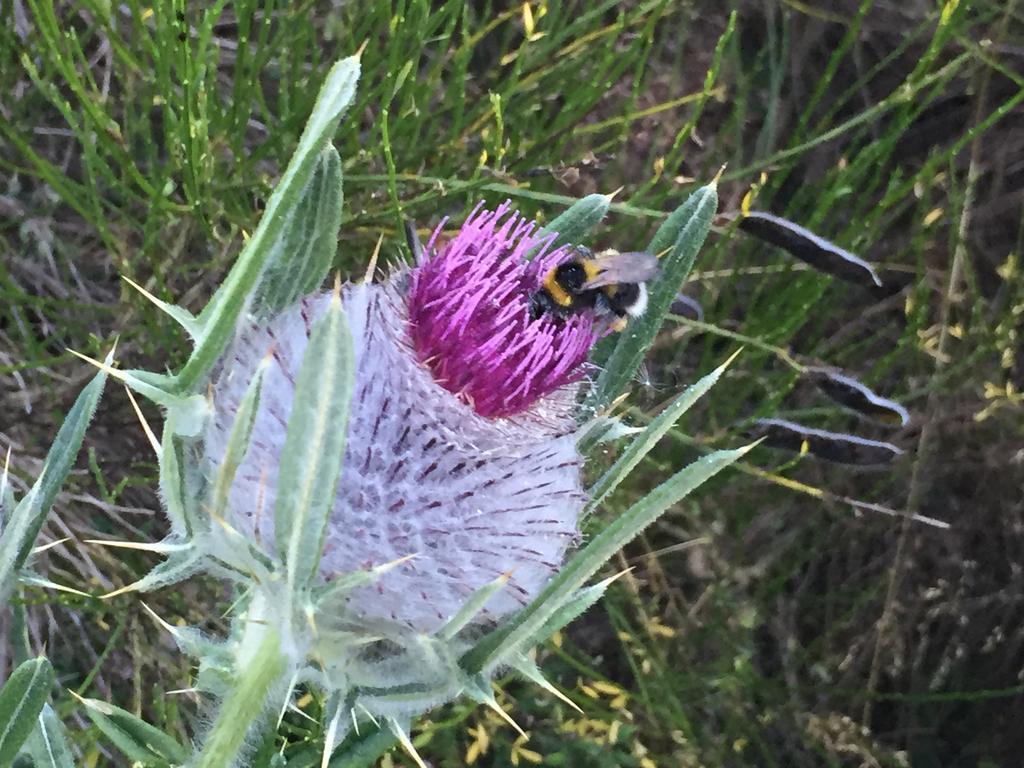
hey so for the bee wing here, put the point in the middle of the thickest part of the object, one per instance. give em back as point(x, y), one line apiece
point(632, 267)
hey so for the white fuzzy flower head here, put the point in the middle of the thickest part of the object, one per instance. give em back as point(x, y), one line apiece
point(461, 447)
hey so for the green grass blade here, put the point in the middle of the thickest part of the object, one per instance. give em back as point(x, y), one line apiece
point(218, 318)
point(685, 231)
point(679, 144)
point(21, 700)
point(585, 563)
point(646, 440)
point(137, 739)
point(307, 246)
point(314, 445)
point(20, 534)
point(48, 744)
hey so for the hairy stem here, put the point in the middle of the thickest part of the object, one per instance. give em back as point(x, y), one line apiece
point(261, 667)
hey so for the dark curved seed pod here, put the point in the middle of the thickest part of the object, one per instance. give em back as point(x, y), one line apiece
point(837, 447)
point(858, 397)
point(809, 247)
point(684, 306)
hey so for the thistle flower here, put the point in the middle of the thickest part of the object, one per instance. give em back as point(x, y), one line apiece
point(417, 439)
point(469, 317)
point(461, 449)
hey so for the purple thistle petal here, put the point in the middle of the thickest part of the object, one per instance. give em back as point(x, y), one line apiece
point(469, 316)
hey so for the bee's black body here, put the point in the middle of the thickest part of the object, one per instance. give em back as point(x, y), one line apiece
point(600, 283)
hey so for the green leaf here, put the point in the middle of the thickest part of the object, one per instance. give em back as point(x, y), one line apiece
point(340, 586)
point(574, 224)
point(674, 227)
point(179, 503)
point(473, 605)
point(529, 670)
point(157, 387)
point(30, 578)
point(183, 481)
point(314, 445)
point(362, 749)
point(238, 440)
point(137, 739)
point(180, 315)
point(218, 319)
point(48, 744)
point(189, 413)
point(176, 568)
point(7, 499)
point(21, 700)
point(305, 249)
point(647, 439)
point(571, 609)
point(515, 634)
point(19, 536)
point(17, 635)
point(602, 429)
point(685, 231)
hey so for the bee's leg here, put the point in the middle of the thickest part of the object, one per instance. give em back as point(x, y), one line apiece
point(619, 323)
point(608, 316)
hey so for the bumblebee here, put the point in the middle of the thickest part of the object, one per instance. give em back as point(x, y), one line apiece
point(610, 283)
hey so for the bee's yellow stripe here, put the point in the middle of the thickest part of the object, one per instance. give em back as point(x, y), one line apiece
point(591, 268)
point(555, 291)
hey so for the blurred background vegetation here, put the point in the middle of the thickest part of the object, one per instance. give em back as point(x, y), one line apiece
point(790, 614)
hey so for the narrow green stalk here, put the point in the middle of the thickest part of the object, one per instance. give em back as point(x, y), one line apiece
point(247, 701)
